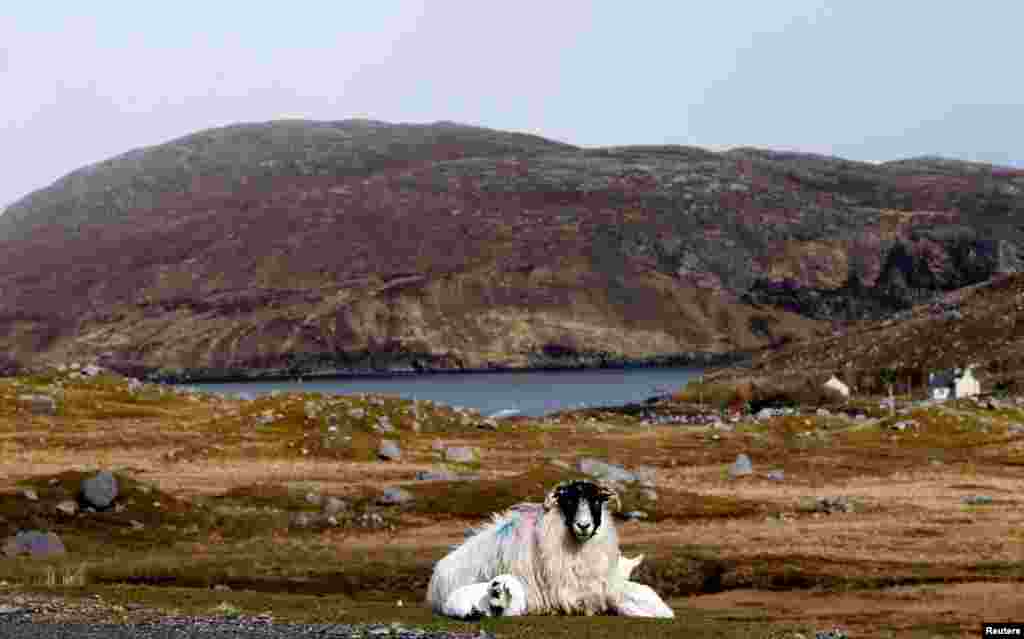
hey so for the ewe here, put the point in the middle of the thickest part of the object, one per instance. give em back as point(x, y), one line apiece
point(565, 553)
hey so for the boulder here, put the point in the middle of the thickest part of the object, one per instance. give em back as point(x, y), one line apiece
point(34, 543)
point(100, 490)
point(389, 450)
point(461, 454)
point(741, 466)
point(332, 506)
point(394, 496)
point(29, 494)
point(39, 404)
point(603, 470)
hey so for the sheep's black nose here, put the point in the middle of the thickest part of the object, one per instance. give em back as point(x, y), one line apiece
point(583, 528)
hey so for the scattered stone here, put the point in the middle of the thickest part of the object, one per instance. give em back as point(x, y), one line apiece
point(604, 470)
point(301, 519)
point(29, 494)
point(394, 496)
point(222, 588)
point(389, 450)
point(461, 454)
point(904, 425)
point(436, 475)
point(68, 507)
point(635, 515)
point(39, 404)
point(356, 413)
point(332, 506)
point(776, 475)
point(136, 525)
point(6, 611)
point(827, 505)
point(92, 370)
point(835, 633)
point(823, 412)
point(100, 490)
point(741, 466)
point(34, 543)
point(314, 499)
point(976, 500)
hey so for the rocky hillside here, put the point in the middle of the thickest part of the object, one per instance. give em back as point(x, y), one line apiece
point(304, 247)
point(980, 325)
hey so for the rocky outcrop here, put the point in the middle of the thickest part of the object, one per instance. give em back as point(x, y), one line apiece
point(343, 247)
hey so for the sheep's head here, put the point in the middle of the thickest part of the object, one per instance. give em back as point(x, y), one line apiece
point(582, 504)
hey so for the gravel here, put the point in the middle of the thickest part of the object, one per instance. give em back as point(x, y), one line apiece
point(20, 626)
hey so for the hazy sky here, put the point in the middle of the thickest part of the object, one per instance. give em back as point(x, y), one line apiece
point(863, 79)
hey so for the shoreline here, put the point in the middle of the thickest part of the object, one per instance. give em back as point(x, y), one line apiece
point(417, 368)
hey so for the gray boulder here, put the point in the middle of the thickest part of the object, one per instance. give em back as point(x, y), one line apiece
point(741, 466)
point(332, 506)
point(394, 496)
point(39, 404)
point(461, 454)
point(603, 470)
point(34, 543)
point(436, 475)
point(100, 490)
point(389, 450)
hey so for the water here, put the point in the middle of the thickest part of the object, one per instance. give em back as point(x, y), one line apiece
point(532, 393)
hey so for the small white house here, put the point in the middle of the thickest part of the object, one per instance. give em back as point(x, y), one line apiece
point(835, 384)
point(953, 383)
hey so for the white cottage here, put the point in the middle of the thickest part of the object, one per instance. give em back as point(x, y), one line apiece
point(954, 383)
point(837, 385)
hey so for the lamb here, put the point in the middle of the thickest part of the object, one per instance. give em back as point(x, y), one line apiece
point(503, 596)
point(564, 551)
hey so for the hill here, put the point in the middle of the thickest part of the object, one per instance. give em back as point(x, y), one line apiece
point(316, 247)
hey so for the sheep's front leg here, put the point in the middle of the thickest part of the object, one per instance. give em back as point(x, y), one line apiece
point(638, 600)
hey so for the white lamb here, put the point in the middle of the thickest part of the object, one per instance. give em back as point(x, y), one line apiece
point(564, 552)
point(503, 596)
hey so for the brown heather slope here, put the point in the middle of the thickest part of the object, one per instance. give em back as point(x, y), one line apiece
point(317, 247)
point(980, 325)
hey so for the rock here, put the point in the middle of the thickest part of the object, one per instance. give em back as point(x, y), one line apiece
point(822, 412)
point(976, 500)
point(436, 475)
point(904, 425)
point(301, 519)
point(29, 494)
point(1015, 429)
point(604, 470)
point(92, 370)
point(100, 490)
point(356, 413)
point(827, 505)
point(34, 543)
point(835, 633)
point(136, 525)
point(39, 404)
point(389, 450)
point(332, 506)
point(649, 494)
point(776, 475)
point(8, 611)
point(634, 515)
point(394, 495)
point(314, 499)
point(68, 507)
point(461, 454)
point(741, 466)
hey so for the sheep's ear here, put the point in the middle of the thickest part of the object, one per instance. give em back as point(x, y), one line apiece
point(552, 498)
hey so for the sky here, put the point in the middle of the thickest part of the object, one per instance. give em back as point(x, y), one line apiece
point(863, 79)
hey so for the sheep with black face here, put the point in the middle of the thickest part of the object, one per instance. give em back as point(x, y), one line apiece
point(565, 552)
